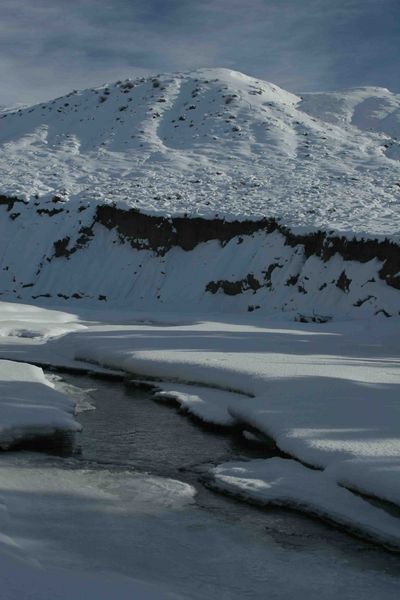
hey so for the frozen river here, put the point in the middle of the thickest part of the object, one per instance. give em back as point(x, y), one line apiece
point(131, 501)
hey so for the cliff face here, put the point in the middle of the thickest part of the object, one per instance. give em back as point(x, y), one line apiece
point(104, 254)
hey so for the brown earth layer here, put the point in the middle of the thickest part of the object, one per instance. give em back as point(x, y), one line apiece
point(160, 234)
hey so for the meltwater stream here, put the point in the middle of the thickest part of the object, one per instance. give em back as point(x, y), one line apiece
point(131, 502)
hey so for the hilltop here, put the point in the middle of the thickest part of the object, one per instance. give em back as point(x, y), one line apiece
point(209, 143)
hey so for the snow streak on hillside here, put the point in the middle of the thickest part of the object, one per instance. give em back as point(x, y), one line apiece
point(213, 142)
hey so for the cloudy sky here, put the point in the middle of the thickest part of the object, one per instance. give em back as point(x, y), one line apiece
point(48, 47)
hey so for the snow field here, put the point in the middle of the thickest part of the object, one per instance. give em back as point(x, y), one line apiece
point(326, 394)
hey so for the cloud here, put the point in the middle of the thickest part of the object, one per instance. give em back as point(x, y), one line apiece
point(48, 47)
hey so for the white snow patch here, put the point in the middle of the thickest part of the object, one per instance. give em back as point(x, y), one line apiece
point(284, 482)
point(30, 406)
point(208, 404)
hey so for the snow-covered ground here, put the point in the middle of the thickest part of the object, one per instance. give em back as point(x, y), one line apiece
point(28, 321)
point(209, 142)
point(283, 482)
point(30, 407)
point(327, 394)
point(35, 498)
point(77, 522)
point(23, 580)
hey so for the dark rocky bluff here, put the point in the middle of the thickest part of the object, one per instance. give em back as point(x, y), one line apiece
point(282, 269)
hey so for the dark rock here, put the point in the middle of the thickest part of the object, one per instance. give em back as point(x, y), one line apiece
point(361, 302)
point(9, 201)
point(343, 282)
point(60, 247)
point(50, 212)
point(233, 288)
point(292, 280)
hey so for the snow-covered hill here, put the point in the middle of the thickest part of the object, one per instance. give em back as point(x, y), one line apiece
point(213, 141)
point(240, 195)
point(208, 193)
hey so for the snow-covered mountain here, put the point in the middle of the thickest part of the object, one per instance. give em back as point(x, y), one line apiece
point(221, 150)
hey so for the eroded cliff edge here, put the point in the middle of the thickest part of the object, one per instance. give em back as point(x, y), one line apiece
point(104, 253)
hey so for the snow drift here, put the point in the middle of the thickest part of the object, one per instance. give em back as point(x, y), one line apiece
point(30, 406)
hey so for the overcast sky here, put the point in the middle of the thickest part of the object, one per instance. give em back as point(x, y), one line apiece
point(48, 47)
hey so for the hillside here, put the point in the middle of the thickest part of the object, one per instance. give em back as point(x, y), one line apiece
point(286, 181)
point(214, 141)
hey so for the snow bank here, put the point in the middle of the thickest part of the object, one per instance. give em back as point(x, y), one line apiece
point(30, 406)
point(327, 394)
point(376, 476)
point(207, 404)
point(281, 482)
point(28, 321)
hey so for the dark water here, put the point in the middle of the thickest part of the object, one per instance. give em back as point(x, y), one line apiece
point(128, 429)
